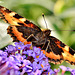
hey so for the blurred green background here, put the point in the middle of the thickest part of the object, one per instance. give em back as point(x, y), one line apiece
point(59, 15)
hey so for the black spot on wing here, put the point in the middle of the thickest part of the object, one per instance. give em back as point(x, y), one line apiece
point(17, 16)
point(62, 44)
point(3, 18)
point(72, 63)
point(9, 31)
point(55, 61)
point(1, 7)
point(21, 24)
point(7, 11)
point(32, 25)
point(27, 22)
point(45, 45)
point(48, 51)
point(57, 50)
point(54, 46)
point(71, 51)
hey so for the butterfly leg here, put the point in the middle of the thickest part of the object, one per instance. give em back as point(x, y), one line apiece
point(31, 38)
point(47, 46)
point(31, 46)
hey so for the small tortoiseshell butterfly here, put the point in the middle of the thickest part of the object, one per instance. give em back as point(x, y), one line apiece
point(21, 29)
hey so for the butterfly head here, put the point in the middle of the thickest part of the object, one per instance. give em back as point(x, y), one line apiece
point(47, 32)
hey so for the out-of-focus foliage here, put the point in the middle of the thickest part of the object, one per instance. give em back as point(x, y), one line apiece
point(59, 15)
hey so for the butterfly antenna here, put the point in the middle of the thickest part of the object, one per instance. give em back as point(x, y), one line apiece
point(64, 30)
point(44, 20)
point(54, 30)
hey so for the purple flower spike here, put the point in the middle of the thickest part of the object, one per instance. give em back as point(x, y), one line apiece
point(36, 66)
point(11, 49)
point(51, 72)
point(37, 72)
point(63, 69)
point(37, 50)
point(19, 46)
point(3, 57)
point(44, 64)
point(69, 69)
point(56, 71)
point(73, 72)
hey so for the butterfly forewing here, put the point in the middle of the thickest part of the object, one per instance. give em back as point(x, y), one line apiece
point(15, 19)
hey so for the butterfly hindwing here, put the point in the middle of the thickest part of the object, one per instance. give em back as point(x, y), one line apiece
point(57, 52)
point(59, 48)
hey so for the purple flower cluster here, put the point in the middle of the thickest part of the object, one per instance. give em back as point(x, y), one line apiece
point(20, 60)
point(64, 69)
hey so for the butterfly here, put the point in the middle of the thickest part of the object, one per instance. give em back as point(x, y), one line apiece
point(21, 29)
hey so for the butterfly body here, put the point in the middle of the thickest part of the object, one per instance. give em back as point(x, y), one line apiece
point(21, 29)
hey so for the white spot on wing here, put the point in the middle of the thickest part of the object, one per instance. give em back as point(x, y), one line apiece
point(74, 55)
point(15, 23)
point(12, 13)
point(66, 48)
point(22, 19)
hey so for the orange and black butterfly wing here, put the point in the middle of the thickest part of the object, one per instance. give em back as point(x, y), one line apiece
point(20, 33)
point(58, 51)
point(20, 28)
point(14, 19)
